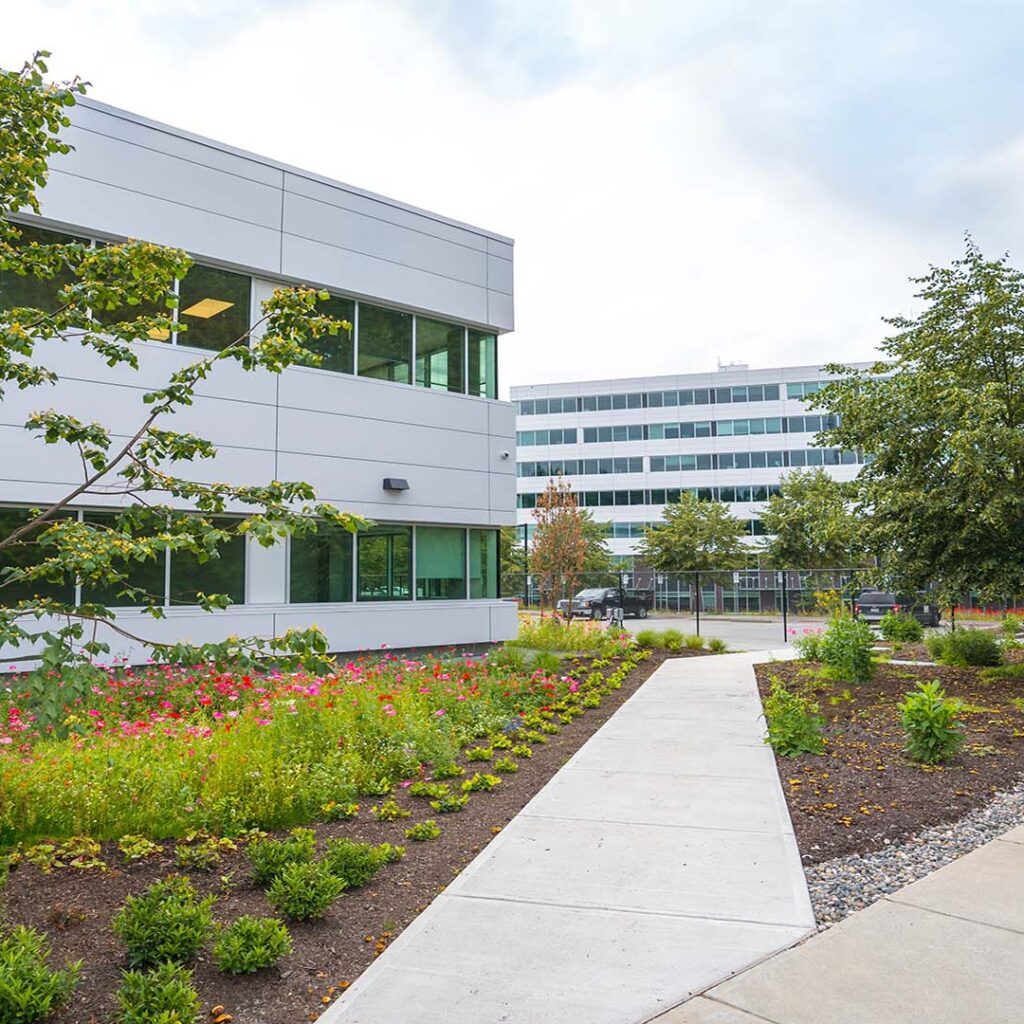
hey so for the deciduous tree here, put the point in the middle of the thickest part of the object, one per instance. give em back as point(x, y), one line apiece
point(558, 551)
point(695, 534)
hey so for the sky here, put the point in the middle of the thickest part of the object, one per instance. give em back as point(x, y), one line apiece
point(686, 181)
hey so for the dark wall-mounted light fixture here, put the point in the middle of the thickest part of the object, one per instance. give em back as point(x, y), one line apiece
point(395, 483)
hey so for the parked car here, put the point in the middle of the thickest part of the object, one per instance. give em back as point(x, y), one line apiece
point(598, 602)
point(872, 605)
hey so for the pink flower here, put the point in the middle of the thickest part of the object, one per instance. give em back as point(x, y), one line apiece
point(439, 712)
point(263, 721)
point(6, 739)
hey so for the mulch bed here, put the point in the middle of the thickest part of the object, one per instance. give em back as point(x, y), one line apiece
point(75, 907)
point(864, 791)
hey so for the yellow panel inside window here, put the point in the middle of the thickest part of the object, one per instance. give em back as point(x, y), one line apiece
point(207, 308)
point(159, 334)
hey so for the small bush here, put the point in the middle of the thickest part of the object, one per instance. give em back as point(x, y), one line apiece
point(846, 648)
point(929, 717)
point(390, 811)
point(451, 770)
point(354, 863)
point(808, 645)
point(29, 990)
point(510, 658)
point(303, 892)
point(269, 857)
point(423, 831)
point(1011, 625)
point(1012, 671)
point(546, 661)
point(671, 640)
point(794, 725)
point(165, 922)
point(137, 848)
point(717, 645)
point(648, 638)
point(163, 995)
point(693, 642)
point(429, 789)
point(965, 647)
point(250, 944)
point(506, 765)
point(335, 811)
point(480, 783)
point(901, 627)
point(479, 753)
point(449, 804)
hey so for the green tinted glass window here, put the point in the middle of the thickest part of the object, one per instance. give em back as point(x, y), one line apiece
point(23, 554)
point(321, 566)
point(335, 350)
point(222, 575)
point(483, 364)
point(385, 343)
point(440, 563)
point(214, 305)
point(483, 563)
point(440, 355)
point(148, 576)
point(384, 564)
point(34, 292)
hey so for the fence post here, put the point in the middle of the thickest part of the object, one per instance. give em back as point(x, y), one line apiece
point(700, 599)
point(526, 569)
point(785, 609)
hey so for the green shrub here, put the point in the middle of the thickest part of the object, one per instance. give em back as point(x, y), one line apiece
point(451, 770)
point(671, 640)
point(429, 789)
point(1012, 671)
point(163, 995)
point(423, 831)
point(929, 719)
point(965, 647)
point(479, 753)
point(546, 661)
point(717, 645)
point(693, 642)
point(506, 765)
point(846, 648)
point(250, 944)
point(389, 811)
point(1011, 625)
point(901, 627)
point(794, 725)
point(449, 804)
point(29, 990)
point(303, 892)
point(480, 783)
point(648, 638)
point(510, 658)
point(808, 644)
point(354, 863)
point(269, 857)
point(165, 922)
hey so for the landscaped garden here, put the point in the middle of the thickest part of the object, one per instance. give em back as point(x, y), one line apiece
point(874, 751)
point(269, 832)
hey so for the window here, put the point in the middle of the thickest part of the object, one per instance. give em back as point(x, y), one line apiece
point(335, 350)
point(385, 343)
point(34, 292)
point(224, 574)
point(440, 355)
point(440, 563)
point(213, 305)
point(147, 576)
point(483, 563)
point(384, 563)
point(771, 392)
point(483, 364)
point(19, 556)
point(320, 568)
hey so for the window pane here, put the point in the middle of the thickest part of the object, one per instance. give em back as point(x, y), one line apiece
point(214, 305)
point(147, 576)
point(222, 575)
point(483, 563)
point(34, 292)
point(385, 343)
point(439, 355)
point(320, 566)
point(794, 391)
point(335, 349)
point(384, 563)
point(19, 556)
point(440, 563)
point(483, 364)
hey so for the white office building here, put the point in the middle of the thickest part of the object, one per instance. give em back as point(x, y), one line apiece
point(409, 397)
point(628, 447)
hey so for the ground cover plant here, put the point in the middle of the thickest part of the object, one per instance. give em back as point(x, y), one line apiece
point(70, 886)
point(913, 746)
point(964, 647)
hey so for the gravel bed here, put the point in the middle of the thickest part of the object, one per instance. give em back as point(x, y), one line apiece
point(840, 886)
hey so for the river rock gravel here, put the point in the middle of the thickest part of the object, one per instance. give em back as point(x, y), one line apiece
point(843, 885)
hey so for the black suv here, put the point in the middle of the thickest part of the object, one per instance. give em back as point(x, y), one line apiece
point(597, 603)
point(871, 605)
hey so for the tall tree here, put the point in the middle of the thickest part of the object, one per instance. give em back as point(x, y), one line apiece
point(695, 534)
point(941, 419)
point(105, 299)
point(559, 549)
point(811, 523)
point(597, 556)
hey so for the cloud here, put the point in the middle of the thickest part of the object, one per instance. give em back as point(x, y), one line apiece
point(683, 180)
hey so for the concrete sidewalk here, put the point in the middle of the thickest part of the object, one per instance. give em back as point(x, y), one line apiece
point(947, 949)
point(658, 861)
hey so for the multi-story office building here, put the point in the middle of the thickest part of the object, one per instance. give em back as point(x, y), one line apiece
point(410, 396)
point(631, 446)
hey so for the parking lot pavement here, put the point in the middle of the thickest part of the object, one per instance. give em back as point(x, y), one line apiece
point(741, 634)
